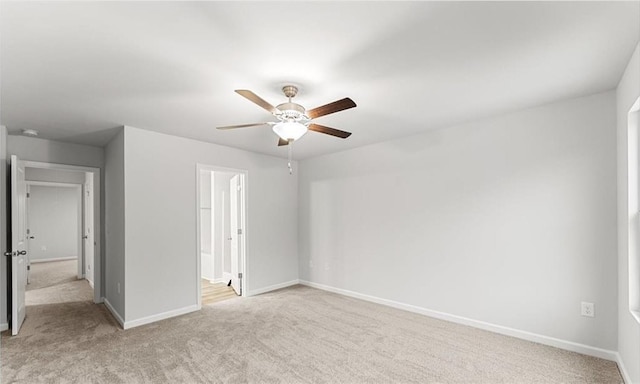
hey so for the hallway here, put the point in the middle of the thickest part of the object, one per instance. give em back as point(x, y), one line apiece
point(56, 282)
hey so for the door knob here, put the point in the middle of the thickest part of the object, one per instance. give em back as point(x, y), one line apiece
point(85, 237)
point(21, 253)
point(32, 237)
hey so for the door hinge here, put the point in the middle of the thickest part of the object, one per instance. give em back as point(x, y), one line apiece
point(28, 195)
point(28, 267)
point(239, 275)
point(239, 231)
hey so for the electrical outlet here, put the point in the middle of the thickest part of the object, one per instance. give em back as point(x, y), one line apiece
point(588, 309)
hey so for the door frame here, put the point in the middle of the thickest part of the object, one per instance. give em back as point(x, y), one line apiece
point(79, 196)
point(244, 224)
point(97, 203)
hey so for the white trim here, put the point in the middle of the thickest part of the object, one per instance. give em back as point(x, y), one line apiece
point(529, 336)
point(160, 316)
point(4, 327)
point(274, 287)
point(53, 259)
point(115, 313)
point(217, 281)
point(226, 276)
point(90, 283)
point(623, 370)
point(53, 184)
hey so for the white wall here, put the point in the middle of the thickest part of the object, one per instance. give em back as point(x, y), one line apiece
point(3, 227)
point(206, 226)
point(53, 222)
point(161, 249)
point(508, 221)
point(54, 175)
point(49, 151)
point(627, 93)
point(114, 274)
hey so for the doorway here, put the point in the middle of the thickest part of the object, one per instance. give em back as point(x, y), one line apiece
point(56, 233)
point(221, 234)
point(66, 216)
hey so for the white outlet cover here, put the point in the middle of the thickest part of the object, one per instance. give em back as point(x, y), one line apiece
point(587, 309)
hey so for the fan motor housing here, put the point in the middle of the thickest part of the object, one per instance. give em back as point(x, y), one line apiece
point(292, 111)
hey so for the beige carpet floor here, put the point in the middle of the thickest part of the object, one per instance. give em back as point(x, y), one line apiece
point(52, 273)
point(295, 335)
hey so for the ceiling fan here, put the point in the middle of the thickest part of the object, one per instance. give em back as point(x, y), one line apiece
point(294, 119)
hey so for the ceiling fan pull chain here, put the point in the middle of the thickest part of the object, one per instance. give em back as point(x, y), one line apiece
point(290, 151)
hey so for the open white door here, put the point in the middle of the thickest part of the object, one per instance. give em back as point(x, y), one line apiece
point(18, 244)
point(87, 236)
point(234, 232)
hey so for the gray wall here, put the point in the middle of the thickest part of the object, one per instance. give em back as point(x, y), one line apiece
point(160, 191)
point(206, 223)
point(53, 222)
point(509, 221)
point(629, 330)
point(54, 175)
point(49, 151)
point(115, 225)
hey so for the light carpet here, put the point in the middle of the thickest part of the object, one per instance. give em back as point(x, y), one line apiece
point(294, 335)
point(52, 273)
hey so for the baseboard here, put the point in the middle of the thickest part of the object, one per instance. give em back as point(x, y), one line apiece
point(53, 259)
point(90, 283)
point(115, 313)
point(623, 369)
point(270, 288)
point(214, 280)
point(4, 327)
point(160, 316)
point(226, 277)
point(529, 336)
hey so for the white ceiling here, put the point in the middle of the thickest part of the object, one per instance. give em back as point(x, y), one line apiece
point(76, 71)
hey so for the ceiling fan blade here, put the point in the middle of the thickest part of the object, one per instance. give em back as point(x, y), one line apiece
point(282, 142)
point(257, 100)
point(334, 107)
point(329, 131)
point(242, 126)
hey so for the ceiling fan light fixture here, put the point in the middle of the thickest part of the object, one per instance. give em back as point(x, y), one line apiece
point(290, 130)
